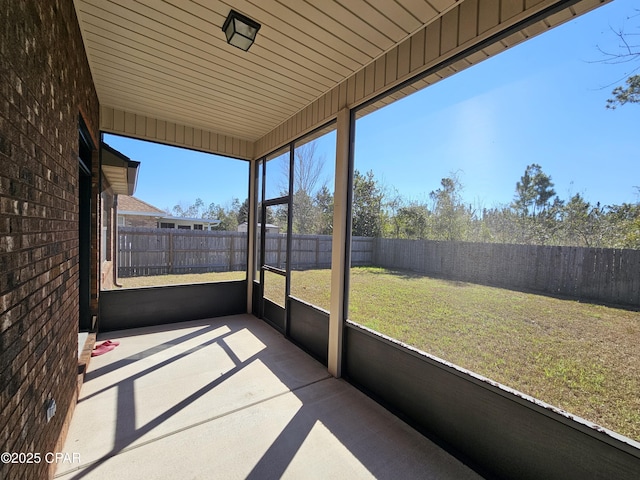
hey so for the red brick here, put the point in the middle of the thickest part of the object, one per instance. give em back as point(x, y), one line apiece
point(41, 91)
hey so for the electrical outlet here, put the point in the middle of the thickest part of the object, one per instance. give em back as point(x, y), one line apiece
point(51, 409)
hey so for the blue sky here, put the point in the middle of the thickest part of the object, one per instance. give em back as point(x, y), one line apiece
point(169, 176)
point(540, 102)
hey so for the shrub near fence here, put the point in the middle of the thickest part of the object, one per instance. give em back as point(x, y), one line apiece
point(593, 274)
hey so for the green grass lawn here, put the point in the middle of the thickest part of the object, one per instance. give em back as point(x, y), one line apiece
point(187, 278)
point(581, 357)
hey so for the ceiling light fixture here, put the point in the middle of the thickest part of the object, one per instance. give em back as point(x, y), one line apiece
point(240, 30)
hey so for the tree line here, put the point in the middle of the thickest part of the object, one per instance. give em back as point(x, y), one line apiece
point(230, 215)
point(536, 215)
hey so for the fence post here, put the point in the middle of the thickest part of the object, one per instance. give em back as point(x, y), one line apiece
point(231, 252)
point(375, 255)
point(170, 252)
point(279, 248)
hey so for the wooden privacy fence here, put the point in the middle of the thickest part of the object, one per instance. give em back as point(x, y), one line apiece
point(314, 251)
point(307, 251)
point(162, 251)
point(593, 274)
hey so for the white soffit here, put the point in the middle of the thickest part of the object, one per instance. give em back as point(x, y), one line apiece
point(169, 59)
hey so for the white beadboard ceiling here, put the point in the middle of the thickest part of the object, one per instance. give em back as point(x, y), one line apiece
point(168, 59)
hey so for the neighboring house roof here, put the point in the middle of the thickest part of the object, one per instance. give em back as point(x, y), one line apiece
point(128, 205)
point(133, 206)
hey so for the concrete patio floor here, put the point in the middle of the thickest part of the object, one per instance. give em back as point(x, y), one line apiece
point(232, 398)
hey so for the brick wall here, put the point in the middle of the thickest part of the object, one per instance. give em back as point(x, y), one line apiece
point(45, 83)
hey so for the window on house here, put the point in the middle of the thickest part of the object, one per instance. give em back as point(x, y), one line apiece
point(184, 227)
point(496, 212)
point(167, 225)
point(197, 226)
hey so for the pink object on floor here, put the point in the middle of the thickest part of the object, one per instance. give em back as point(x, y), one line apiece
point(102, 349)
point(107, 342)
